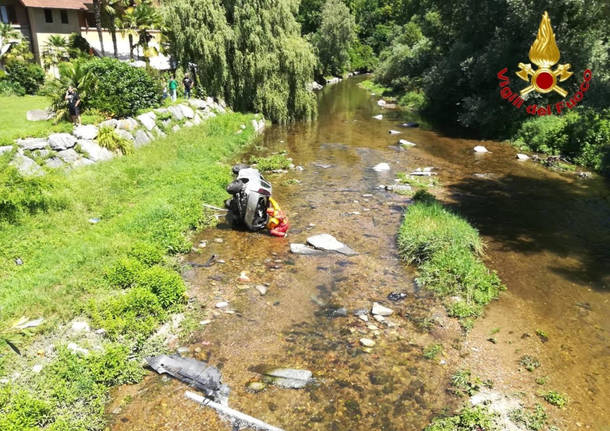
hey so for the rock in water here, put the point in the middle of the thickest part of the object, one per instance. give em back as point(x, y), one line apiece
point(523, 156)
point(380, 310)
point(367, 342)
point(303, 249)
point(329, 243)
point(195, 373)
point(381, 167)
point(480, 149)
point(378, 117)
point(289, 378)
point(381, 102)
point(406, 143)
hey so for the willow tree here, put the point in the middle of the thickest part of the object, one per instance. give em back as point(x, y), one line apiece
point(248, 51)
point(335, 37)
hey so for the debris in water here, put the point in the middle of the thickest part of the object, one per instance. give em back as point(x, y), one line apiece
point(394, 132)
point(523, 156)
point(381, 167)
point(322, 165)
point(378, 117)
point(329, 243)
point(380, 310)
point(480, 149)
point(406, 143)
point(397, 296)
point(289, 378)
point(194, 373)
point(410, 124)
point(243, 277)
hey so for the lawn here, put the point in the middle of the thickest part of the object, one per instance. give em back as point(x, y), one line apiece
point(153, 195)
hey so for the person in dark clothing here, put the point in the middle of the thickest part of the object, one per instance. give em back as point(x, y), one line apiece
point(188, 85)
point(73, 100)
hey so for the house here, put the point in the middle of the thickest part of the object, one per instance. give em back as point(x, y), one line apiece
point(39, 19)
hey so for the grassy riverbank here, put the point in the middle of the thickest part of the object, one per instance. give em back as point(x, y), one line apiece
point(100, 245)
point(447, 251)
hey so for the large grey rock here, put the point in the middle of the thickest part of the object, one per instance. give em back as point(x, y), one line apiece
point(33, 143)
point(188, 124)
point(39, 115)
point(124, 134)
point(187, 111)
point(197, 120)
point(329, 243)
point(5, 149)
point(26, 166)
point(142, 138)
point(128, 124)
point(176, 112)
point(289, 378)
point(304, 249)
point(112, 123)
point(88, 132)
point(161, 110)
point(54, 162)
point(148, 120)
point(381, 167)
point(61, 141)
point(69, 156)
point(41, 153)
point(159, 133)
point(198, 103)
point(380, 310)
point(95, 152)
point(82, 162)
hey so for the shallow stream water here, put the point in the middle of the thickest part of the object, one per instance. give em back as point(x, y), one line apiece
point(548, 236)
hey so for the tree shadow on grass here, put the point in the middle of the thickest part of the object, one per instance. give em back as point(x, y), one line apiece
point(530, 215)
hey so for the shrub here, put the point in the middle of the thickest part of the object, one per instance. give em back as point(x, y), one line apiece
point(413, 100)
point(108, 138)
point(464, 383)
point(165, 284)
point(555, 398)
point(124, 273)
point(21, 411)
point(468, 419)
point(271, 163)
point(146, 253)
point(11, 88)
point(30, 76)
point(20, 195)
point(119, 89)
point(361, 57)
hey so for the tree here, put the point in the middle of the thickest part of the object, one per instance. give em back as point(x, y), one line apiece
point(335, 37)
point(97, 10)
point(137, 20)
point(249, 52)
point(113, 10)
point(55, 51)
point(13, 45)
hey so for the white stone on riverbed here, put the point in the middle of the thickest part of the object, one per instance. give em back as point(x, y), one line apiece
point(222, 304)
point(329, 243)
point(380, 310)
point(88, 132)
point(94, 151)
point(290, 378)
point(378, 117)
point(381, 167)
point(406, 143)
point(480, 149)
point(61, 141)
point(521, 156)
point(367, 342)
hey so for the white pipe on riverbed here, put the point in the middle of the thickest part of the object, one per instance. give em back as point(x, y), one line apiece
point(234, 414)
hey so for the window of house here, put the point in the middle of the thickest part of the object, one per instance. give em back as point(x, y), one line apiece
point(64, 16)
point(7, 15)
point(48, 15)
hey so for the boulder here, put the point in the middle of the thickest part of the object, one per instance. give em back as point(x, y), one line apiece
point(381, 167)
point(380, 310)
point(333, 80)
point(124, 134)
point(148, 120)
point(188, 124)
point(128, 124)
point(112, 123)
point(54, 163)
point(69, 156)
point(187, 111)
point(5, 149)
point(142, 138)
point(95, 152)
point(329, 243)
point(159, 133)
point(198, 103)
point(61, 141)
point(176, 112)
point(314, 86)
point(82, 162)
point(26, 166)
point(85, 132)
point(289, 378)
point(480, 149)
point(523, 156)
point(381, 102)
point(197, 120)
point(39, 115)
point(161, 110)
point(33, 143)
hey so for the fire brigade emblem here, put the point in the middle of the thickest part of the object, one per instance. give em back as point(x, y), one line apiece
point(544, 54)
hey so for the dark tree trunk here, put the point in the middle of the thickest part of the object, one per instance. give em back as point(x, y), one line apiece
point(131, 46)
point(114, 42)
point(97, 7)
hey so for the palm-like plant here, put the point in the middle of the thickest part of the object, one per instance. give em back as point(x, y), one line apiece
point(55, 51)
point(8, 37)
point(138, 19)
point(74, 74)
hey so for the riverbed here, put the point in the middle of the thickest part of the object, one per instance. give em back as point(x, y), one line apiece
point(547, 236)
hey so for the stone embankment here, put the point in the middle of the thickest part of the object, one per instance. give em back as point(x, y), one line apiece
point(81, 148)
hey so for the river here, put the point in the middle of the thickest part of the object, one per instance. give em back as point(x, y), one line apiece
point(547, 236)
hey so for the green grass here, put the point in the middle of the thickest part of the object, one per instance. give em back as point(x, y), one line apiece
point(271, 163)
point(378, 90)
point(116, 272)
point(447, 251)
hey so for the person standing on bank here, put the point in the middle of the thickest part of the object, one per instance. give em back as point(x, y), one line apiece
point(73, 100)
point(188, 85)
point(173, 87)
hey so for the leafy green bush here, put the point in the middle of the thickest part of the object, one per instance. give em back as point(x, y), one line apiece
point(463, 383)
point(468, 419)
point(125, 272)
point(11, 88)
point(583, 136)
point(555, 398)
point(167, 285)
point(361, 57)
point(271, 163)
point(147, 253)
point(30, 76)
point(20, 195)
point(108, 138)
point(413, 100)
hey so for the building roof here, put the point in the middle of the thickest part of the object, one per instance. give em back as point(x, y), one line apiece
point(58, 4)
